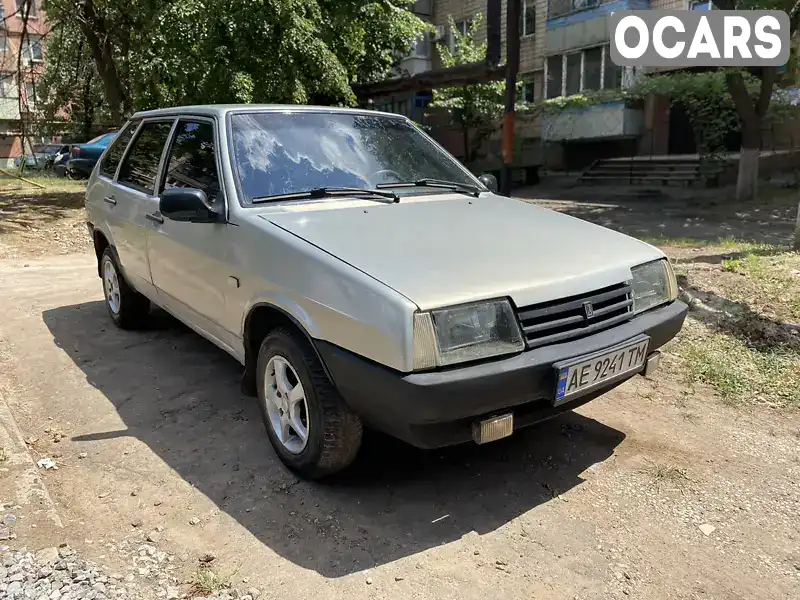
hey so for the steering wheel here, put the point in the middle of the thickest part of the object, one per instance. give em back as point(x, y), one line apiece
point(382, 175)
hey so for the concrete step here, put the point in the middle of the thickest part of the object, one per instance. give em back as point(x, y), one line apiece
point(683, 171)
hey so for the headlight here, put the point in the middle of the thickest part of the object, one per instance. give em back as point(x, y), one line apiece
point(653, 284)
point(464, 333)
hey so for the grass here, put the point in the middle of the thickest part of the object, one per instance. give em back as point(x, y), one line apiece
point(686, 242)
point(207, 582)
point(10, 186)
point(771, 272)
point(743, 375)
point(742, 336)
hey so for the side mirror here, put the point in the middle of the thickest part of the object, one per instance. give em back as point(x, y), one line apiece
point(188, 205)
point(490, 181)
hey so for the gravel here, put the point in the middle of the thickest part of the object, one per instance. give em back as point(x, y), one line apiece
point(58, 574)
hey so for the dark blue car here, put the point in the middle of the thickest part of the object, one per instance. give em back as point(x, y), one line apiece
point(83, 157)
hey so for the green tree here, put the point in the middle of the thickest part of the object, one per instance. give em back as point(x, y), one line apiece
point(149, 53)
point(477, 109)
point(752, 103)
point(70, 90)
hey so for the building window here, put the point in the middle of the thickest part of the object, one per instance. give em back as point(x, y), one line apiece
point(700, 5)
point(528, 17)
point(462, 27)
point(402, 108)
point(590, 69)
point(33, 12)
point(7, 86)
point(573, 83)
point(526, 93)
point(554, 76)
point(421, 47)
point(3, 43)
point(32, 50)
point(423, 7)
point(612, 77)
point(560, 8)
point(30, 94)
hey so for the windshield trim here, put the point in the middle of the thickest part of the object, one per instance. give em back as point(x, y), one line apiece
point(234, 167)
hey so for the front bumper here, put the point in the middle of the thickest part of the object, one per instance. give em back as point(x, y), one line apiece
point(435, 409)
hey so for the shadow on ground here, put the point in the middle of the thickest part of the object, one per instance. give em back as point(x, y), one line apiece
point(180, 395)
point(739, 320)
point(21, 210)
point(696, 217)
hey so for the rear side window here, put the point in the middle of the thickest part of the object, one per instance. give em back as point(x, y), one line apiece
point(141, 165)
point(117, 149)
point(192, 159)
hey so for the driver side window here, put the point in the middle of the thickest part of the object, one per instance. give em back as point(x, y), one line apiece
point(193, 160)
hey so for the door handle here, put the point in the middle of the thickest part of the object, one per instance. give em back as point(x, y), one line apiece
point(155, 218)
point(110, 200)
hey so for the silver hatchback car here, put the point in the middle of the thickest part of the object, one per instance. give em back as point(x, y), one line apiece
point(364, 277)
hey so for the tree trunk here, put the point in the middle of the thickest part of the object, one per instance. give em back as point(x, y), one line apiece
point(95, 31)
point(796, 244)
point(751, 113)
point(747, 180)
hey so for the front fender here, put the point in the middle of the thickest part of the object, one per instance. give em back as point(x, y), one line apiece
point(285, 304)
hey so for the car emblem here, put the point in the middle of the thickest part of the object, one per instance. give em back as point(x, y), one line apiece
point(588, 310)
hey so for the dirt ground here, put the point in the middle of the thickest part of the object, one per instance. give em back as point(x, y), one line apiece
point(653, 491)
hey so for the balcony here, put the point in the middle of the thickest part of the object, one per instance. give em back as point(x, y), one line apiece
point(580, 23)
point(423, 7)
point(611, 120)
point(560, 8)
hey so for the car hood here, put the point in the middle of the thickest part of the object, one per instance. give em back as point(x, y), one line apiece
point(444, 250)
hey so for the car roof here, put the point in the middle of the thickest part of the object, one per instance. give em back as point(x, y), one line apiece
point(220, 110)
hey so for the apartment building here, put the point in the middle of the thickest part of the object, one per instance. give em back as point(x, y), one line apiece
point(17, 105)
point(564, 50)
point(425, 56)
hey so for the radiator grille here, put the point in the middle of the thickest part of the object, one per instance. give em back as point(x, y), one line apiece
point(578, 316)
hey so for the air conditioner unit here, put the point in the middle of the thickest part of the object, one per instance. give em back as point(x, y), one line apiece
point(440, 34)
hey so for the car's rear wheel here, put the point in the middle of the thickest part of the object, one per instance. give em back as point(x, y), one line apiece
point(308, 423)
point(128, 308)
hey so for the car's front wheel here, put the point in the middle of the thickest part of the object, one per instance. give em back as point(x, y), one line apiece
point(128, 308)
point(311, 428)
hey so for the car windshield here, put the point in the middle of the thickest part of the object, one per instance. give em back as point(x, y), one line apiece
point(277, 153)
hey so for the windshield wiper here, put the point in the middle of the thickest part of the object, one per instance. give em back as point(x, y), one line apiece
point(464, 188)
point(327, 192)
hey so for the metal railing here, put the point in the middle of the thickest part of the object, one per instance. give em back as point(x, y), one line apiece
point(561, 8)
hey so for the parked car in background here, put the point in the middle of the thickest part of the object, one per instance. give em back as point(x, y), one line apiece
point(83, 157)
point(43, 157)
point(364, 277)
point(61, 158)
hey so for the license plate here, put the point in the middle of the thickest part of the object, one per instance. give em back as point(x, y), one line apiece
point(585, 373)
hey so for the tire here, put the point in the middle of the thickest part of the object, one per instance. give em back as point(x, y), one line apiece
point(127, 308)
point(333, 432)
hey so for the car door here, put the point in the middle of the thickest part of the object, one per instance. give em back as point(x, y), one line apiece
point(118, 216)
point(188, 260)
point(133, 197)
